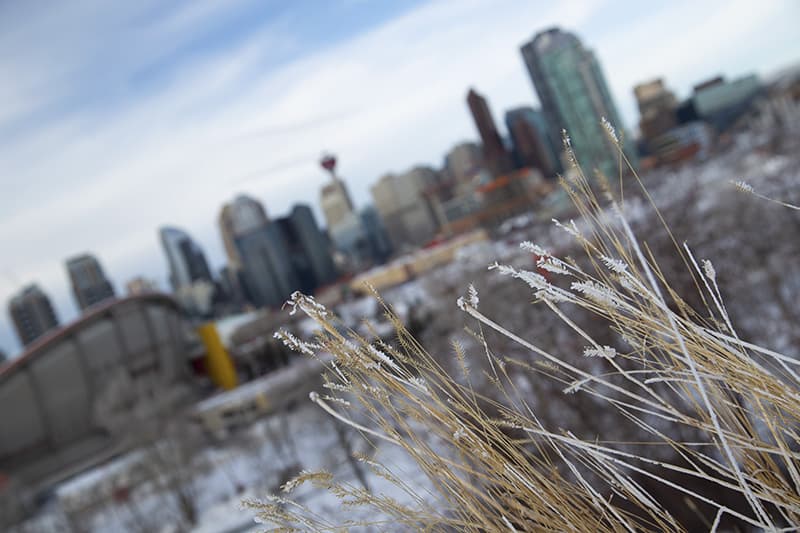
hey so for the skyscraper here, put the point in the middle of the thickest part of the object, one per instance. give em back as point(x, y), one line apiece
point(530, 148)
point(257, 251)
point(313, 243)
point(377, 237)
point(268, 271)
point(89, 283)
point(463, 162)
point(236, 218)
point(574, 96)
point(311, 260)
point(400, 200)
point(187, 263)
point(657, 106)
point(32, 314)
point(497, 157)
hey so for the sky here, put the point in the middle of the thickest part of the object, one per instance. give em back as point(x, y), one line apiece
point(117, 118)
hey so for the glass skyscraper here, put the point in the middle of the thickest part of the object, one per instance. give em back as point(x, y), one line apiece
point(268, 274)
point(187, 263)
point(574, 96)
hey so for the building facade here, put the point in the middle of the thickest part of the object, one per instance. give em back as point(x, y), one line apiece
point(32, 314)
point(337, 207)
point(574, 95)
point(531, 149)
point(657, 109)
point(238, 217)
point(309, 253)
point(498, 160)
point(400, 200)
point(187, 262)
point(269, 277)
point(89, 283)
point(463, 162)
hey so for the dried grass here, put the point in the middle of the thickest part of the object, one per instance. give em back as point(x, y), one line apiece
point(723, 412)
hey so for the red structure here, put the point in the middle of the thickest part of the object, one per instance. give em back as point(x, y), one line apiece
point(328, 162)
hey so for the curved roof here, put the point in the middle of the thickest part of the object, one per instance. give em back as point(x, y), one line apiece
point(40, 345)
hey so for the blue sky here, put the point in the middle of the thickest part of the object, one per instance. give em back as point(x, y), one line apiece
point(117, 118)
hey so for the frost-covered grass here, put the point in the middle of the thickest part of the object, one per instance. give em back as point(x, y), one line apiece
point(684, 423)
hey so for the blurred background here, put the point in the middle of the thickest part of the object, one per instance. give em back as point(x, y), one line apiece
point(172, 171)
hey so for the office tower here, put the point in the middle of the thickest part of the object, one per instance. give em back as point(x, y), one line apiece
point(312, 241)
point(310, 257)
point(89, 283)
point(187, 263)
point(497, 157)
point(257, 252)
point(531, 149)
point(232, 284)
point(574, 96)
point(243, 214)
point(657, 109)
point(140, 285)
point(32, 314)
point(463, 162)
point(400, 200)
point(269, 277)
point(378, 239)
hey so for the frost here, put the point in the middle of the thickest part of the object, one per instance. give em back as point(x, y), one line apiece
point(473, 296)
point(610, 129)
point(615, 265)
point(528, 246)
point(383, 357)
point(708, 268)
point(598, 292)
point(604, 351)
point(293, 343)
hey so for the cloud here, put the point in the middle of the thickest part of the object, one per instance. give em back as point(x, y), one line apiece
point(185, 119)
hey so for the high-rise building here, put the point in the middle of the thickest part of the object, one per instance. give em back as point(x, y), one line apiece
point(257, 251)
point(531, 149)
point(308, 250)
point(335, 202)
point(574, 97)
point(463, 162)
point(400, 200)
point(89, 282)
point(497, 157)
point(269, 276)
point(187, 262)
point(378, 239)
point(237, 218)
point(657, 109)
point(32, 314)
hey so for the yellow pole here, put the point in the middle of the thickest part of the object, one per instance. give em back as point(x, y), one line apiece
point(218, 361)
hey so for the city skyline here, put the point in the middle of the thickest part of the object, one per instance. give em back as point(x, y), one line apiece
point(175, 184)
